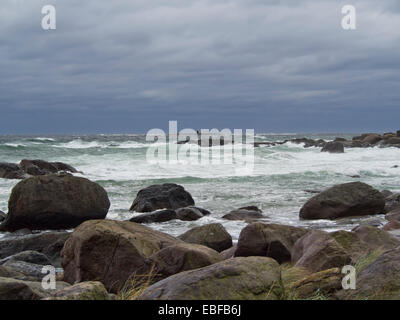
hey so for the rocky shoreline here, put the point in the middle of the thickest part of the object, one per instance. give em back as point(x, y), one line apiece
point(108, 259)
point(338, 145)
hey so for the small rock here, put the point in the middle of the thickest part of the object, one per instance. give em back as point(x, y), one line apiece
point(162, 196)
point(156, 216)
point(212, 235)
point(244, 213)
point(333, 147)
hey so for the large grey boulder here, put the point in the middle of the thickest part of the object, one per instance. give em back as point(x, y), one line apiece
point(344, 200)
point(268, 240)
point(212, 235)
point(251, 278)
point(54, 202)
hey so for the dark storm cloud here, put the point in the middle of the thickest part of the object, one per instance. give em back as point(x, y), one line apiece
point(123, 66)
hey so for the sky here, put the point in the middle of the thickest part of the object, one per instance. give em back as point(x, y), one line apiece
point(128, 66)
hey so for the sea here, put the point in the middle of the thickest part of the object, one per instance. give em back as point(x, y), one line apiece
point(281, 181)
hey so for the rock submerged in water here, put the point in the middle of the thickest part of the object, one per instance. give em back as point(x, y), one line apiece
point(184, 214)
point(333, 147)
point(212, 235)
point(245, 213)
point(28, 168)
point(162, 196)
point(54, 202)
point(344, 200)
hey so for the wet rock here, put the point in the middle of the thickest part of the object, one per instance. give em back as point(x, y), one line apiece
point(48, 243)
point(189, 214)
point(3, 216)
point(212, 235)
point(164, 196)
point(244, 213)
point(11, 171)
point(110, 252)
point(392, 202)
point(54, 202)
point(156, 216)
point(344, 200)
point(386, 193)
point(30, 257)
point(251, 278)
point(333, 147)
point(372, 138)
point(392, 225)
point(268, 240)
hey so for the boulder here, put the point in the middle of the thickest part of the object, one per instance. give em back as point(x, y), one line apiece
point(251, 278)
point(3, 216)
point(375, 238)
point(29, 256)
point(30, 270)
point(41, 167)
point(10, 272)
point(344, 200)
point(333, 147)
point(11, 171)
point(156, 216)
point(392, 202)
point(110, 252)
point(245, 213)
point(54, 202)
point(89, 290)
point(319, 250)
point(162, 196)
point(379, 280)
point(212, 235)
point(392, 225)
point(392, 141)
point(268, 240)
point(229, 253)
point(47, 243)
point(13, 289)
point(325, 282)
point(372, 138)
point(189, 214)
point(178, 258)
point(393, 215)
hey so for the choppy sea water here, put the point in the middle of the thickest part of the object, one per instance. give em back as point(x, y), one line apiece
point(277, 184)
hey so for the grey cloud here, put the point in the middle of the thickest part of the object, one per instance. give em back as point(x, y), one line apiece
point(268, 65)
